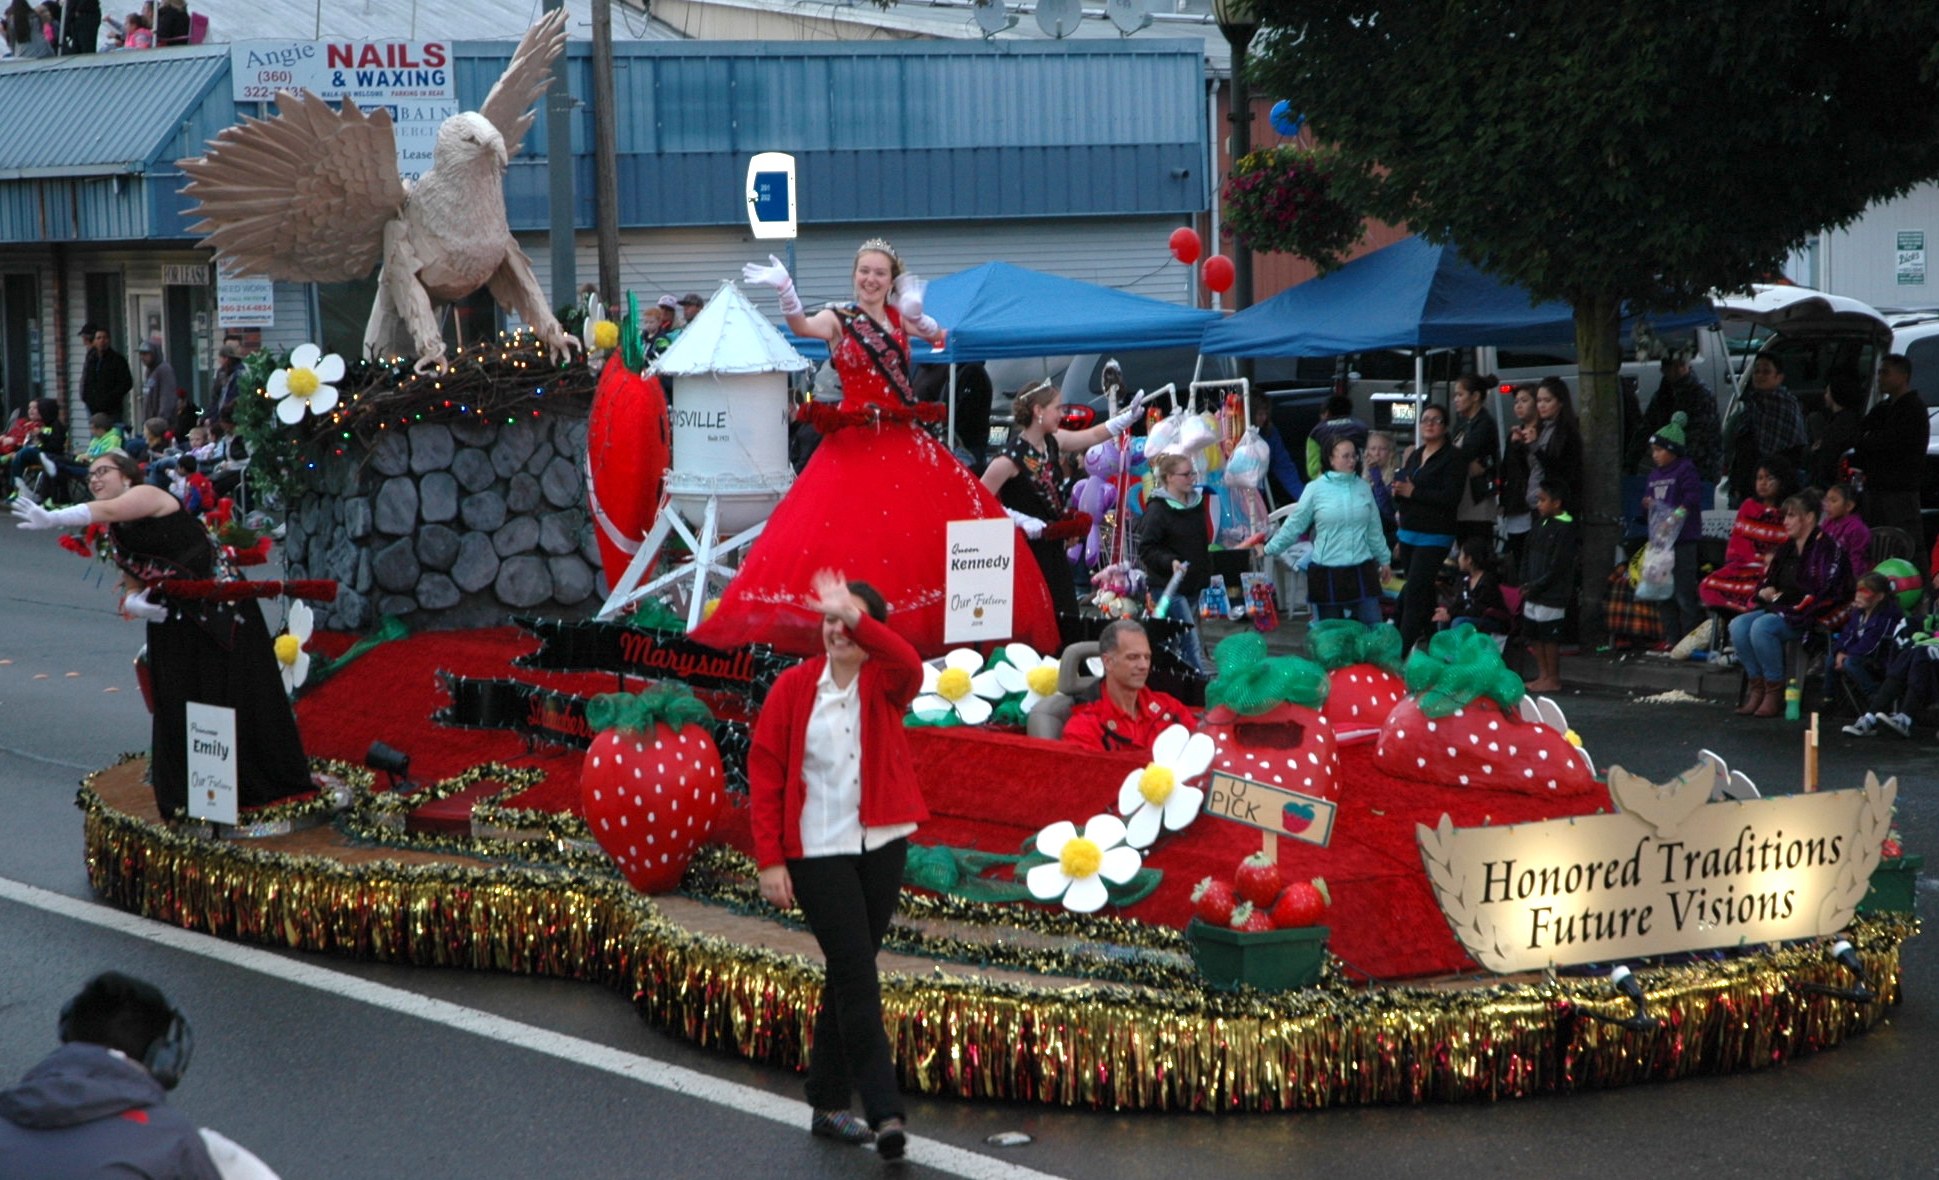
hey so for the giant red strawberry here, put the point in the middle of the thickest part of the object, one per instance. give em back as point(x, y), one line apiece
point(1265, 717)
point(1363, 665)
point(652, 782)
point(1461, 726)
point(628, 449)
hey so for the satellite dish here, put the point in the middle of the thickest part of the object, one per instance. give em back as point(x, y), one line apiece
point(1059, 18)
point(1128, 15)
point(993, 18)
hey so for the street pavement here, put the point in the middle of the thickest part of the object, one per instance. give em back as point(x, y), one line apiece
point(332, 1068)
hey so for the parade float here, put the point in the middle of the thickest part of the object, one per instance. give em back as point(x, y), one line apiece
point(1355, 880)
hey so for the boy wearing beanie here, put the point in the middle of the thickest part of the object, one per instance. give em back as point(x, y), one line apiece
point(1673, 484)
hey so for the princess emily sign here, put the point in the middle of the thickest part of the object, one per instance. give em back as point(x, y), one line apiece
point(1670, 872)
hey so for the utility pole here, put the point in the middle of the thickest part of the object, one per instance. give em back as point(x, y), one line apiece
point(558, 167)
point(605, 152)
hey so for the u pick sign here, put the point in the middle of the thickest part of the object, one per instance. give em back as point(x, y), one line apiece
point(1670, 872)
point(1270, 809)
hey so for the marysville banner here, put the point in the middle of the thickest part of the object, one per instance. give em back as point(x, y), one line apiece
point(1671, 872)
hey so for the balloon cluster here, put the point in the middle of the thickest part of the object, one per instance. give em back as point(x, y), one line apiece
point(1216, 271)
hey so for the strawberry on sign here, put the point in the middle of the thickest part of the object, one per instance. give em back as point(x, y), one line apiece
point(652, 782)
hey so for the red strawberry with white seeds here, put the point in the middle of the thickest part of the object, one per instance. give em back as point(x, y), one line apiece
point(1265, 717)
point(1302, 904)
point(1462, 725)
point(1478, 745)
point(1213, 901)
point(652, 783)
point(1257, 880)
point(1363, 665)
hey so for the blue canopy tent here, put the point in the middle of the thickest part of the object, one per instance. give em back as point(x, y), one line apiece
point(1407, 295)
point(997, 310)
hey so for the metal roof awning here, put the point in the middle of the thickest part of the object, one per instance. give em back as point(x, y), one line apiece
point(101, 114)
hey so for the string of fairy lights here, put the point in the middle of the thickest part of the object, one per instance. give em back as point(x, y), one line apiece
point(501, 381)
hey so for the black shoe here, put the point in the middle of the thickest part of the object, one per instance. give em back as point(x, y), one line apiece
point(840, 1125)
point(891, 1141)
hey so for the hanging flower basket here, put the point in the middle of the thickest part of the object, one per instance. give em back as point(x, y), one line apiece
point(1279, 200)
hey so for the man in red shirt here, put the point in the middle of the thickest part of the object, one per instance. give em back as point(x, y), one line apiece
point(1126, 714)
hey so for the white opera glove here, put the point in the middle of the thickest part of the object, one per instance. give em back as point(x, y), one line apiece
point(33, 516)
point(1122, 420)
point(908, 300)
point(774, 275)
point(139, 606)
point(1031, 526)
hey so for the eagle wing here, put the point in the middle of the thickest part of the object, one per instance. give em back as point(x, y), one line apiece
point(303, 196)
point(509, 105)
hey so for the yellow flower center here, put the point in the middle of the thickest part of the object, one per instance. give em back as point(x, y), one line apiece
point(953, 684)
point(1156, 784)
point(605, 335)
point(1573, 738)
point(1042, 679)
point(1081, 858)
point(288, 647)
point(707, 611)
point(303, 383)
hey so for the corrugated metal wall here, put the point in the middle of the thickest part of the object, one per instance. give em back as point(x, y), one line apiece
point(1127, 253)
point(1861, 262)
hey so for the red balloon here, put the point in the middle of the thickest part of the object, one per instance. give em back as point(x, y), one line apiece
point(1185, 244)
point(1217, 272)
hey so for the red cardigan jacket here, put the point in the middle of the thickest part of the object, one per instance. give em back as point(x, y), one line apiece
point(890, 678)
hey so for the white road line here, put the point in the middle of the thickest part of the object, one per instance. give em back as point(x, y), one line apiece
point(645, 1070)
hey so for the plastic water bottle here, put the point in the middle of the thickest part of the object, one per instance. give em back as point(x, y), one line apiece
point(1793, 700)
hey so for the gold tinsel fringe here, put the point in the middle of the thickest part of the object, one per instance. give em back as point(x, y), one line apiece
point(1113, 1047)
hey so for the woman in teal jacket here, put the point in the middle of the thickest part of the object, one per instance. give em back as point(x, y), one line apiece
point(1350, 554)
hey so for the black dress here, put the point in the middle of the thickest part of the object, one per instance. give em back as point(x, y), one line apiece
point(1036, 490)
point(215, 654)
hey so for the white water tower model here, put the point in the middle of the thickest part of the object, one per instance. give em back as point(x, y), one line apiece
point(729, 412)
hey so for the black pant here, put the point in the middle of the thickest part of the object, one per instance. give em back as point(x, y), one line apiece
point(1058, 579)
point(849, 901)
point(1419, 565)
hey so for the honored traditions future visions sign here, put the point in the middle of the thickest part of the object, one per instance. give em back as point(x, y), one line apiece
point(1670, 872)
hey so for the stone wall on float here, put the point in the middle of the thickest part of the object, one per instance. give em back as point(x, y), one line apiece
point(451, 525)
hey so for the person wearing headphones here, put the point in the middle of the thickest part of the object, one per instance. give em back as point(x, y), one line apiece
point(97, 1105)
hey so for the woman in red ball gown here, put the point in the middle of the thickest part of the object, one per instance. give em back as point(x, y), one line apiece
point(878, 495)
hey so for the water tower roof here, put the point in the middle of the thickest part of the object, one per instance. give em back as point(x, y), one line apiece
point(729, 336)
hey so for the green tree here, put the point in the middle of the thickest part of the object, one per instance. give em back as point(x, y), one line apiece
point(1646, 151)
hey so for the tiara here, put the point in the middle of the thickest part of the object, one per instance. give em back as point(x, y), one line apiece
point(879, 244)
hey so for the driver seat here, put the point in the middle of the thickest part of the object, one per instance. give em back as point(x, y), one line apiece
point(1074, 681)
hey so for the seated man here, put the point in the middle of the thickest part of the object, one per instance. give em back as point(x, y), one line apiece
point(1126, 715)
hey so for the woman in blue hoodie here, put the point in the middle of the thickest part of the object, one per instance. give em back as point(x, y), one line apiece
point(1350, 555)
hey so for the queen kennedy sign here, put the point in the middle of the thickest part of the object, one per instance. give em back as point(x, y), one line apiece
point(1670, 872)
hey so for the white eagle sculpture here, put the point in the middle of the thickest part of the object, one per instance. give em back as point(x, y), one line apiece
point(313, 195)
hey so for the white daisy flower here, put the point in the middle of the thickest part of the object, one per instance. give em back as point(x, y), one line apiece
point(290, 656)
point(1160, 790)
point(956, 685)
point(306, 384)
point(1033, 675)
point(1544, 711)
point(1083, 863)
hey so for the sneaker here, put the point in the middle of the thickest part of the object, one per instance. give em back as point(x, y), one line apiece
point(891, 1141)
point(1898, 723)
point(1865, 726)
point(839, 1125)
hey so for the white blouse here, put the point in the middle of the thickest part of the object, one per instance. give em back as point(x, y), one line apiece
point(831, 774)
